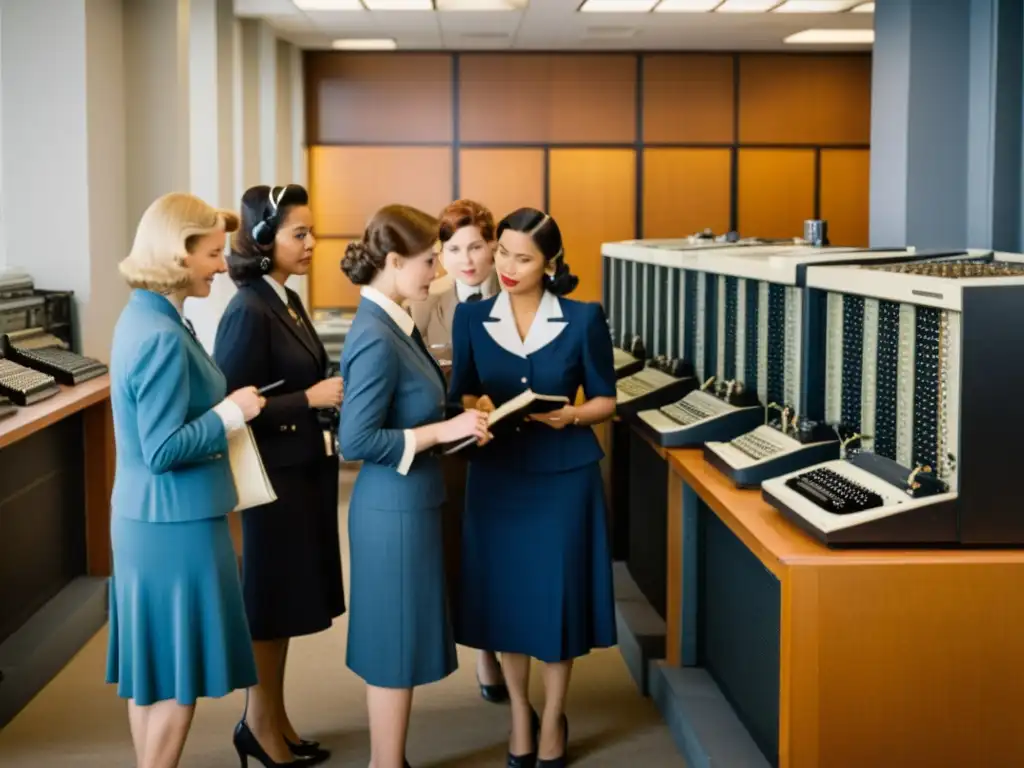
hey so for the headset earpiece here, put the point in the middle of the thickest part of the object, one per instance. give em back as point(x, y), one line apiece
point(266, 230)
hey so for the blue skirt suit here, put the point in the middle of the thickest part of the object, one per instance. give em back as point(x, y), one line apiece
point(536, 564)
point(399, 632)
point(178, 628)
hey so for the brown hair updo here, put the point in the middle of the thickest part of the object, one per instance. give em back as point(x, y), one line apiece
point(466, 213)
point(399, 229)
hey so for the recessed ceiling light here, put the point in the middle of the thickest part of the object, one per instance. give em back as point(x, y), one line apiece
point(365, 44)
point(834, 36)
point(865, 8)
point(686, 6)
point(328, 5)
point(399, 5)
point(814, 6)
point(746, 6)
point(480, 5)
point(618, 6)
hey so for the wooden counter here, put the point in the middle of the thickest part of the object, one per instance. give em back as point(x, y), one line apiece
point(885, 657)
point(56, 477)
point(92, 400)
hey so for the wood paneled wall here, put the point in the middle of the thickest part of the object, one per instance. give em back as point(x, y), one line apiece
point(613, 145)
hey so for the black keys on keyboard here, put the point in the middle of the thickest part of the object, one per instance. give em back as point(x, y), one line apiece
point(833, 492)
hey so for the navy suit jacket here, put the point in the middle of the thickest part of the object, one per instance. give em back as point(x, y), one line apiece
point(259, 343)
point(172, 463)
point(568, 347)
point(391, 385)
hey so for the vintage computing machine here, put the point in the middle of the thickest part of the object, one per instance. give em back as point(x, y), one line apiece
point(923, 371)
point(646, 287)
point(758, 415)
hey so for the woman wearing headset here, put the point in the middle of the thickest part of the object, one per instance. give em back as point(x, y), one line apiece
point(291, 561)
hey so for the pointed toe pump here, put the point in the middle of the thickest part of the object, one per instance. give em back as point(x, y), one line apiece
point(246, 745)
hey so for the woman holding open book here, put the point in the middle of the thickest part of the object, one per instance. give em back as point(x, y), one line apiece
point(536, 570)
point(399, 635)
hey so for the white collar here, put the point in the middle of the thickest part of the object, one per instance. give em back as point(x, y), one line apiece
point(282, 294)
point(547, 324)
point(485, 289)
point(401, 318)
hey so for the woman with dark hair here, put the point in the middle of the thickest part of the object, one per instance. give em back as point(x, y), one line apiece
point(399, 635)
point(536, 568)
point(291, 553)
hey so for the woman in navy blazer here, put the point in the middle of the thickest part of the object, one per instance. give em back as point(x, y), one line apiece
point(178, 629)
point(291, 561)
point(536, 570)
point(399, 635)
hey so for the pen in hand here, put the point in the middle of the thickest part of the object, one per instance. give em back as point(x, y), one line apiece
point(263, 390)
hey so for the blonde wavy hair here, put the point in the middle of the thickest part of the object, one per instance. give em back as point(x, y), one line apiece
point(167, 233)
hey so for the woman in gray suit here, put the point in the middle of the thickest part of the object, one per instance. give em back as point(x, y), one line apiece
point(399, 633)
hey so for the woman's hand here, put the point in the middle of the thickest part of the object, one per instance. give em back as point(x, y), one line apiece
point(559, 419)
point(469, 423)
point(484, 403)
point(327, 393)
point(249, 400)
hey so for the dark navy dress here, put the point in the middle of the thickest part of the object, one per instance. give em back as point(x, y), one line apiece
point(536, 564)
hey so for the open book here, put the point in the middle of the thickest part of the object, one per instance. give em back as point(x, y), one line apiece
point(518, 408)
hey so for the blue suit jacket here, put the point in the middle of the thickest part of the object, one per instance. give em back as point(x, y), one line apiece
point(172, 461)
point(391, 385)
point(568, 347)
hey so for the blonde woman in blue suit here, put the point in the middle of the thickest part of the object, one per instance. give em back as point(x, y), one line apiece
point(178, 629)
point(399, 633)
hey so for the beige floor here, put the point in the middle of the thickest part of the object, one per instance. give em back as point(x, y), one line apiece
point(78, 722)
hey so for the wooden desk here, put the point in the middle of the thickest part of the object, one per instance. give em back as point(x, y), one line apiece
point(56, 477)
point(885, 657)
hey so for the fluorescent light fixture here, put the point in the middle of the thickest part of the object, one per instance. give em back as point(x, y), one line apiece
point(365, 44)
point(686, 6)
point(865, 8)
point(618, 6)
point(328, 5)
point(814, 6)
point(746, 6)
point(399, 5)
point(480, 5)
point(832, 36)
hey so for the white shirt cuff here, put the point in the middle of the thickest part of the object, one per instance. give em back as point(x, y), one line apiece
point(408, 454)
point(231, 414)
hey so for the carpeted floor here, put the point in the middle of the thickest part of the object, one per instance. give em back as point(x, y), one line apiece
point(78, 722)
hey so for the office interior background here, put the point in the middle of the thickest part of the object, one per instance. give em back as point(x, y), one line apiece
point(899, 122)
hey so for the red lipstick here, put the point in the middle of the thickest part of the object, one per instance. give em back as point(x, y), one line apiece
point(508, 282)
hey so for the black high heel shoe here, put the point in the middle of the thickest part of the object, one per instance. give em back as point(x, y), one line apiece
point(560, 761)
point(528, 760)
point(246, 745)
point(309, 749)
point(495, 694)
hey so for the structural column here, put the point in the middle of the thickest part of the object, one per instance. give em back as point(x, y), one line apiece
point(946, 124)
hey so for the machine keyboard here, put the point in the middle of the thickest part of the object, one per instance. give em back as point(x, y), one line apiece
point(695, 407)
point(763, 443)
point(642, 383)
point(834, 492)
point(23, 385)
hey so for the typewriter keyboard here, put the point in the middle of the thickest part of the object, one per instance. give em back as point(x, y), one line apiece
point(695, 407)
point(642, 383)
point(762, 443)
point(833, 492)
point(65, 366)
point(22, 384)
